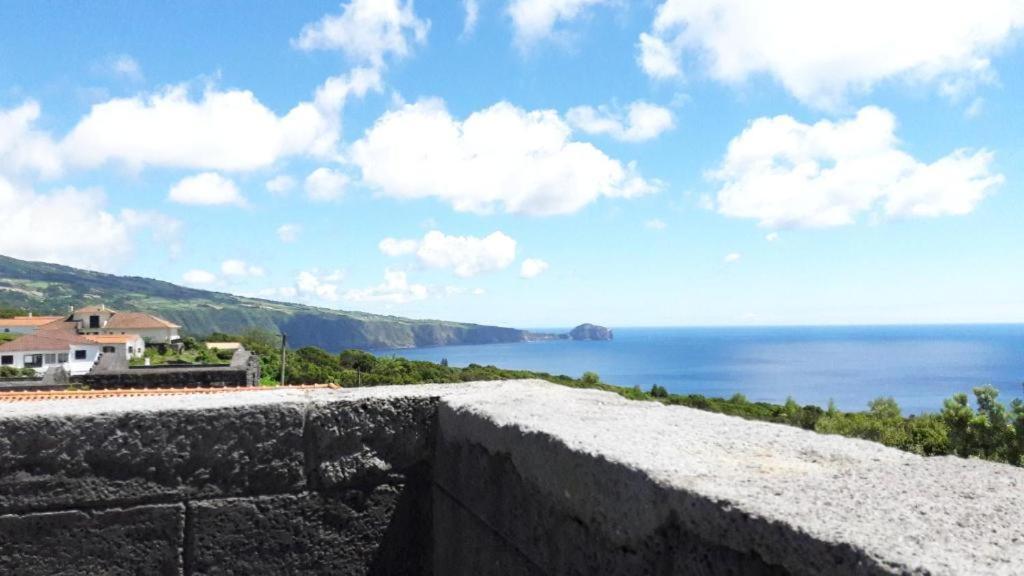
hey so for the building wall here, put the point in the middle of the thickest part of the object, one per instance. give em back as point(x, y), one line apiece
point(150, 335)
point(74, 367)
point(19, 329)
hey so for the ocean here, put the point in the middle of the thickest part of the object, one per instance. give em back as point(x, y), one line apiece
point(919, 366)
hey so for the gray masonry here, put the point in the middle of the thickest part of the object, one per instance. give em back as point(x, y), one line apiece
point(488, 478)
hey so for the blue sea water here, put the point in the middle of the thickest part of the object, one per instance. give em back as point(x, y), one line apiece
point(919, 366)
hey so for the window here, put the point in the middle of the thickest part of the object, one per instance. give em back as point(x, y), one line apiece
point(131, 350)
point(79, 354)
point(7, 329)
point(109, 349)
point(6, 360)
point(33, 361)
point(94, 321)
point(62, 357)
point(50, 359)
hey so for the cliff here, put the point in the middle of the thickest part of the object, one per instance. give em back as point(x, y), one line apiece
point(50, 289)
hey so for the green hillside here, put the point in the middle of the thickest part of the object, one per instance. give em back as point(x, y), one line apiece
point(52, 289)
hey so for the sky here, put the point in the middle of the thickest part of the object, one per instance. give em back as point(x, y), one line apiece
point(529, 163)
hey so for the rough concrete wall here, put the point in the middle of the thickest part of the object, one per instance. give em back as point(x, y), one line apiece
point(547, 480)
point(516, 478)
point(238, 487)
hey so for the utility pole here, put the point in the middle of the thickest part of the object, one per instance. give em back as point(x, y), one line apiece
point(284, 350)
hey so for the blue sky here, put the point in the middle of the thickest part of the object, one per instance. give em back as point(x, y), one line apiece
point(545, 163)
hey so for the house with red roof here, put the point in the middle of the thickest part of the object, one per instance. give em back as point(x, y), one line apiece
point(100, 320)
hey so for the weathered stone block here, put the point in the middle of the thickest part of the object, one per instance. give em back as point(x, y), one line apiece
point(363, 442)
point(124, 458)
point(140, 540)
point(465, 546)
point(384, 530)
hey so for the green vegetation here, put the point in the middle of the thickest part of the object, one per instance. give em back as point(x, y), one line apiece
point(11, 372)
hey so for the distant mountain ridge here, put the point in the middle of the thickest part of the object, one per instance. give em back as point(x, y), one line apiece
point(51, 288)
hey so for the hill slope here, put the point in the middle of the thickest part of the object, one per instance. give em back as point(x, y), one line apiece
point(51, 289)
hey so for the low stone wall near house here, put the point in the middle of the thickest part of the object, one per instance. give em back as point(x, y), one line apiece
point(488, 478)
point(244, 370)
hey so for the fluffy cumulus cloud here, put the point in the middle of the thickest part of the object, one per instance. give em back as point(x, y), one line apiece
point(822, 50)
point(313, 284)
point(198, 277)
point(73, 226)
point(280, 185)
point(23, 147)
point(466, 256)
point(535, 20)
point(325, 184)
point(206, 189)
point(226, 130)
point(732, 258)
point(396, 289)
point(655, 224)
point(643, 121)
point(500, 158)
point(784, 173)
point(367, 31)
point(288, 233)
point(240, 269)
point(532, 267)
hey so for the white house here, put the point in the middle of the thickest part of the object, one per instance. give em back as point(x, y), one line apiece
point(50, 348)
point(26, 324)
point(103, 320)
point(128, 345)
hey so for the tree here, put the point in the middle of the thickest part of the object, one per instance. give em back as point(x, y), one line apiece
point(444, 362)
point(659, 391)
point(989, 429)
point(590, 378)
point(957, 415)
point(885, 408)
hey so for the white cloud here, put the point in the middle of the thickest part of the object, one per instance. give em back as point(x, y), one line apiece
point(324, 184)
point(772, 237)
point(23, 148)
point(535, 20)
point(126, 66)
point(199, 277)
point(501, 157)
point(657, 58)
point(644, 121)
point(206, 189)
point(823, 50)
point(288, 232)
point(466, 256)
point(396, 289)
point(394, 247)
point(532, 267)
point(240, 269)
point(655, 224)
point(280, 185)
point(472, 8)
point(223, 130)
point(732, 258)
point(367, 31)
point(784, 173)
point(73, 227)
point(324, 287)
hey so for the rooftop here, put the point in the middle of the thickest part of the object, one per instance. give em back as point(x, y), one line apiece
point(29, 321)
point(45, 341)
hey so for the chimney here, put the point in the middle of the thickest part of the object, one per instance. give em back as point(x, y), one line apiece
point(29, 314)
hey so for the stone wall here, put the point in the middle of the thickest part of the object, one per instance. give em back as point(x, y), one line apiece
point(489, 478)
point(244, 370)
